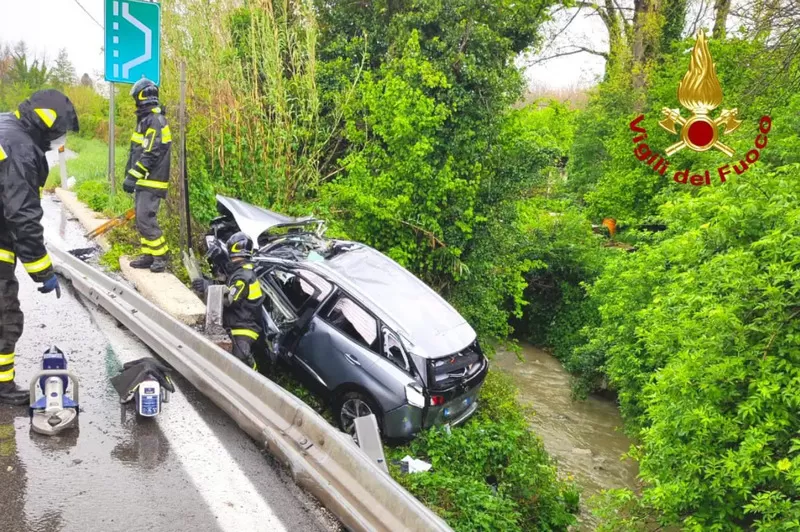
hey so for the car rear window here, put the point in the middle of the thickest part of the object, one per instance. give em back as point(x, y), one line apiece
point(450, 370)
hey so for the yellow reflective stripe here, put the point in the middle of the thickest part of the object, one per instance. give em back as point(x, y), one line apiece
point(153, 243)
point(38, 265)
point(152, 183)
point(6, 376)
point(7, 256)
point(143, 167)
point(6, 359)
point(160, 251)
point(138, 138)
point(166, 135)
point(244, 332)
point(136, 173)
point(16, 113)
point(157, 110)
point(239, 286)
point(247, 267)
point(48, 116)
point(152, 134)
point(3, 154)
point(255, 290)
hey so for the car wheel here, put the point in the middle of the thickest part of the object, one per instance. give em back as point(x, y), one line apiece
point(352, 405)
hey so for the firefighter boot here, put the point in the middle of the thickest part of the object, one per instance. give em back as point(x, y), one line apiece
point(142, 262)
point(160, 263)
point(11, 394)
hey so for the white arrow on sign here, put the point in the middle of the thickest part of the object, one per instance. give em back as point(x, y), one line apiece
point(148, 41)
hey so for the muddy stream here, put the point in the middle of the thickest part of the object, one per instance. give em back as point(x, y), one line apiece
point(584, 436)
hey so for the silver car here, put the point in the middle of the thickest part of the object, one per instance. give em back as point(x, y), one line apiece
point(373, 337)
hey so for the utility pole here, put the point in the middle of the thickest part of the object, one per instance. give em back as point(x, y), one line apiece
point(111, 141)
point(186, 220)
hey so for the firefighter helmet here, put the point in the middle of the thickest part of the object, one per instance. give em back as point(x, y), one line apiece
point(47, 115)
point(239, 245)
point(145, 93)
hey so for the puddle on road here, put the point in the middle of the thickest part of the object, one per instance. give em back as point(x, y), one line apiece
point(584, 436)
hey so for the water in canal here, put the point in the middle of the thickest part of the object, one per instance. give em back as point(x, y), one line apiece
point(584, 436)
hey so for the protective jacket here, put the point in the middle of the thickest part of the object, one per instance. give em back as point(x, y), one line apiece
point(24, 137)
point(149, 156)
point(243, 304)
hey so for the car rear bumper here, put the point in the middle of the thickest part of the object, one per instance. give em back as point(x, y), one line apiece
point(406, 421)
point(403, 422)
point(455, 411)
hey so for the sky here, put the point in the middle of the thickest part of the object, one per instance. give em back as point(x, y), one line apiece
point(49, 25)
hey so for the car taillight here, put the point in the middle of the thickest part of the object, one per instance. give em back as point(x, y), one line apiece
point(437, 400)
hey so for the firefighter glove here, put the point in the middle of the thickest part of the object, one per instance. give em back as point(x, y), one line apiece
point(200, 285)
point(51, 284)
point(129, 185)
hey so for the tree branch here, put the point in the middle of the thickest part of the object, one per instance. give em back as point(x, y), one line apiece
point(577, 50)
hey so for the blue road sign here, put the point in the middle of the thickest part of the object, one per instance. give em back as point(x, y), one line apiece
point(133, 31)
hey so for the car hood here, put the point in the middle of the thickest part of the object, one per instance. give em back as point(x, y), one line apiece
point(255, 221)
point(429, 322)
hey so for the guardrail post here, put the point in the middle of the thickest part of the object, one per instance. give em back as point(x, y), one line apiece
point(62, 167)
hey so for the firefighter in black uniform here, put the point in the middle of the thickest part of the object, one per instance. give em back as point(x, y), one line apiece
point(243, 298)
point(39, 124)
point(147, 174)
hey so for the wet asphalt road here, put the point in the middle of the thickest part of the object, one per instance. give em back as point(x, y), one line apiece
point(190, 468)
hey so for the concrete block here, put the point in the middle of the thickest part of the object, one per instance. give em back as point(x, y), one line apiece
point(89, 219)
point(214, 306)
point(166, 291)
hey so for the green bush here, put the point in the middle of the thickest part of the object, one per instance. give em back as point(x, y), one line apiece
point(699, 334)
point(493, 473)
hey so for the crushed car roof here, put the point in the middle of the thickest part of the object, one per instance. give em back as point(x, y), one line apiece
point(402, 300)
point(428, 320)
point(254, 221)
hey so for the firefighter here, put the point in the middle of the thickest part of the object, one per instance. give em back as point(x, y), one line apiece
point(147, 174)
point(241, 316)
point(39, 124)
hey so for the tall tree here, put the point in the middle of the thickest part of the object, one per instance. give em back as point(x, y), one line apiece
point(63, 73)
point(637, 34)
point(721, 10)
point(34, 73)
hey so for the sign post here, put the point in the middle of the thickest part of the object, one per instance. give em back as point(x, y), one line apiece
point(186, 222)
point(112, 129)
point(132, 52)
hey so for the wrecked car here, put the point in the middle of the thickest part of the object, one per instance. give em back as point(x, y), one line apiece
point(371, 336)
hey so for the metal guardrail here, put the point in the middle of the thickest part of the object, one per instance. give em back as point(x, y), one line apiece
point(322, 459)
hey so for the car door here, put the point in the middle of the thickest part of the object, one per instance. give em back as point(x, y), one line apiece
point(341, 343)
point(301, 293)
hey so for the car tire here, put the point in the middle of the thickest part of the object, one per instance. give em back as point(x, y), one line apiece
point(355, 404)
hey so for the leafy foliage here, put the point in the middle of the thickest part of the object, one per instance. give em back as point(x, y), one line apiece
point(699, 336)
point(493, 473)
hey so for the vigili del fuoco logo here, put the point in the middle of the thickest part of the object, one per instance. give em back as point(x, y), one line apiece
point(700, 93)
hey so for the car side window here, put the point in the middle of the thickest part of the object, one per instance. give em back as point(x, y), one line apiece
point(393, 350)
point(355, 322)
point(298, 291)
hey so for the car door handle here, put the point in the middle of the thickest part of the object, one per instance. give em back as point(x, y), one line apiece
point(353, 360)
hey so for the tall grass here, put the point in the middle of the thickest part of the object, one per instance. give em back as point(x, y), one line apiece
point(90, 169)
point(254, 128)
